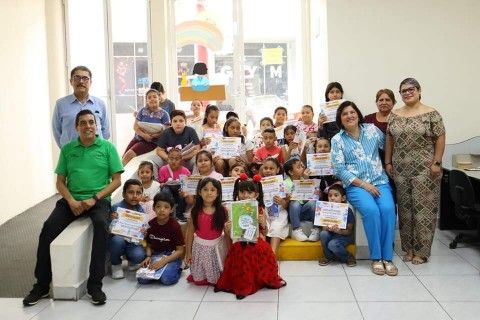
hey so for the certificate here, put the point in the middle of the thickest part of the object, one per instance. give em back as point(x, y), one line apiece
point(129, 224)
point(330, 109)
point(320, 164)
point(244, 217)
point(189, 184)
point(227, 188)
point(150, 127)
point(147, 273)
point(215, 135)
point(307, 189)
point(272, 186)
point(329, 213)
point(229, 147)
point(301, 139)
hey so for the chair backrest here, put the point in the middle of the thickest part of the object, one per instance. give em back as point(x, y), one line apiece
point(461, 189)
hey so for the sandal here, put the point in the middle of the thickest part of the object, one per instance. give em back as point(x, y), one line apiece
point(390, 268)
point(378, 268)
point(324, 261)
point(418, 260)
point(408, 257)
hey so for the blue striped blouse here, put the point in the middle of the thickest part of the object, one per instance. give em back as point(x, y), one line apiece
point(353, 158)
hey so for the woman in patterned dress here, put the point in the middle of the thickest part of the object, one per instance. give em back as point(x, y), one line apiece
point(413, 156)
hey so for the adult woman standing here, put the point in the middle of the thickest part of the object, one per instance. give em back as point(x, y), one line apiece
point(357, 163)
point(334, 91)
point(385, 100)
point(413, 156)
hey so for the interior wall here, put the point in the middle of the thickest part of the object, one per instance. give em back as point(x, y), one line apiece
point(374, 44)
point(26, 164)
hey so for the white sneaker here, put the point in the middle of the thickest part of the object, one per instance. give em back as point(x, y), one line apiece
point(132, 266)
point(117, 272)
point(298, 235)
point(314, 235)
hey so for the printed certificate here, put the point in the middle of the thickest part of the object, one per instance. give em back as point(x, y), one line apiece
point(215, 136)
point(229, 147)
point(330, 109)
point(129, 224)
point(188, 184)
point(307, 189)
point(147, 273)
point(150, 127)
point(244, 217)
point(320, 164)
point(227, 188)
point(273, 186)
point(329, 213)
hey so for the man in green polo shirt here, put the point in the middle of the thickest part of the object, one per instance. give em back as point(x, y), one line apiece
point(88, 171)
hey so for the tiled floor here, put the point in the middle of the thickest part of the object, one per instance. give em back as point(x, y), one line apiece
point(448, 287)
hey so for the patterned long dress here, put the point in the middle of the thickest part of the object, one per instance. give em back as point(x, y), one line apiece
point(418, 194)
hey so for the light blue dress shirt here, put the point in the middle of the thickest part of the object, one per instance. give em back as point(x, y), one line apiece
point(353, 158)
point(63, 120)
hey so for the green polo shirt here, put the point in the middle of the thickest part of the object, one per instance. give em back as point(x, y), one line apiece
point(88, 169)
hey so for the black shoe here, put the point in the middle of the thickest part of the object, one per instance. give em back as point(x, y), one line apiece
point(98, 296)
point(38, 292)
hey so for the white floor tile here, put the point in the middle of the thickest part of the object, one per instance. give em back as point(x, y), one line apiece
point(120, 289)
point(462, 310)
point(263, 295)
point(443, 265)
point(310, 268)
point(319, 310)
point(81, 310)
point(181, 291)
point(12, 308)
point(148, 310)
point(453, 288)
point(402, 310)
point(316, 289)
point(234, 311)
point(364, 268)
point(385, 288)
point(470, 254)
point(438, 249)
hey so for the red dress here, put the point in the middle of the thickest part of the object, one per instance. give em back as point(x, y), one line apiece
point(248, 268)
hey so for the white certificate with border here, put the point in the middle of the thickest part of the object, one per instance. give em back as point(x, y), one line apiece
point(273, 186)
point(307, 189)
point(129, 224)
point(329, 109)
point(229, 147)
point(189, 184)
point(227, 188)
point(320, 164)
point(330, 213)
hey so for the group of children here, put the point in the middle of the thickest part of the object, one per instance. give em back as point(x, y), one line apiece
point(206, 247)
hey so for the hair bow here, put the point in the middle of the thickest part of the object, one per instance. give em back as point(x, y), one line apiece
point(177, 147)
point(243, 176)
point(257, 178)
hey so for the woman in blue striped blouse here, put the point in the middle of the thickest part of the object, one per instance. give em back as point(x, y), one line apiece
point(357, 163)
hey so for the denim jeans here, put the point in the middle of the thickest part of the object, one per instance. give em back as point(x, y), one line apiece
point(119, 246)
point(335, 245)
point(170, 275)
point(301, 212)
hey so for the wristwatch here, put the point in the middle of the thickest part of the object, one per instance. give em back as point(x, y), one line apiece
point(437, 163)
point(96, 197)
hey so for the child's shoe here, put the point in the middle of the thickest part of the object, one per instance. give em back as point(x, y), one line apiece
point(132, 266)
point(117, 272)
point(324, 261)
point(298, 235)
point(351, 261)
point(314, 235)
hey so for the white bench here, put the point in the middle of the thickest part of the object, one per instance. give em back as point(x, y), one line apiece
point(70, 252)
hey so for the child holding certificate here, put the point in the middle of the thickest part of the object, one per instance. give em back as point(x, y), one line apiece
point(299, 210)
point(169, 177)
point(205, 243)
point(322, 145)
point(265, 123)
point(150, 187)
point(119, 245)
point(165, 245)
point(335, 240)
point(249, 266)
point(209, 125)
point(306, 124)
point(269, 149)
point(290, 147)
point(233, 128)
point(277, 217)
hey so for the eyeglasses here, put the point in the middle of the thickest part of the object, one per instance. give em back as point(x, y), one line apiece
point(407, 90)
point(78, 78)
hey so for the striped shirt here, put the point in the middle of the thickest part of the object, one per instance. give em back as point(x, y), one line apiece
point(353, 158)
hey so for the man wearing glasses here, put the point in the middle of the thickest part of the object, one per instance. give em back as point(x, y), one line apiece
point(66, 108)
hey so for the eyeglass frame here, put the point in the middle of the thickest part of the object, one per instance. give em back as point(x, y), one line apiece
point(407, 90)
point(79, 78)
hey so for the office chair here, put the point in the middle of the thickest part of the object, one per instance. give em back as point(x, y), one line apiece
point(466, 208)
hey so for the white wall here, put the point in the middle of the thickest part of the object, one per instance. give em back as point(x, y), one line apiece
point(374, 44)
point(26, 165)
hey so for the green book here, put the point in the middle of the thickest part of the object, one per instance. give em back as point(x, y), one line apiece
point(244, 217)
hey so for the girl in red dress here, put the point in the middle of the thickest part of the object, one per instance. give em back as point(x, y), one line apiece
point(249, 266)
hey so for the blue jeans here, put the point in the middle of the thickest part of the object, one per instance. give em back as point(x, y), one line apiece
point(118, 247)
point(170, 275)
point(301, 212)
point(334, 245)
point(378, 215)
point(180, 204)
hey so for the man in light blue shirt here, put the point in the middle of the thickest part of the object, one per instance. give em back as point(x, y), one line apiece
point(66, 108)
